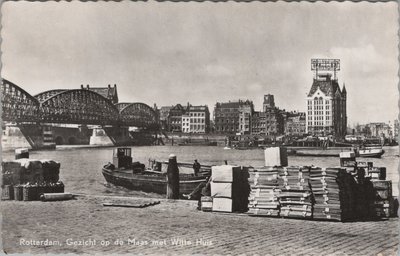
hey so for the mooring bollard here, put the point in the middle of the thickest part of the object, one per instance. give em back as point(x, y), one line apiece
point(172, 178)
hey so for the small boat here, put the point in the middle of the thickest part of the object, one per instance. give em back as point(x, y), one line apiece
point(374, 151)
point(200, 143)
point(134, 176)
point(317, 152)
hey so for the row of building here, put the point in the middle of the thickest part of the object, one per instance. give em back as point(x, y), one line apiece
point(326, 115)
point(383, 130)
point(233, 117)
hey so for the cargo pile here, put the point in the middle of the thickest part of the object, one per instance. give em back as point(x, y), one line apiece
point(26, 179)
point(383, 200)
point(229, 188)
point(356, 191)
point(295, 198)
point(264, 185)
point(333, 193)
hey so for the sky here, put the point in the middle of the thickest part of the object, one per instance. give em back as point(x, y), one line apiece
point(168, 53)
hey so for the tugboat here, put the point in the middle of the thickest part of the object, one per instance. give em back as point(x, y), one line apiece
point(133, 175)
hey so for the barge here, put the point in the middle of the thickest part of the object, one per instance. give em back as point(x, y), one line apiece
point(134, 176)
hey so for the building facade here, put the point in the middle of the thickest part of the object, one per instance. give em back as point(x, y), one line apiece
point(274, 117)
point(196, 119)
point(245, 113)
point(295, 124)
point(227, 116)
point(186, 123)
point(175, 118)
point(326, 107)
point(164, 115)
point(258, 123)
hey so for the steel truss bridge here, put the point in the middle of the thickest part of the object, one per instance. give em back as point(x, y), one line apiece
point(80, 106)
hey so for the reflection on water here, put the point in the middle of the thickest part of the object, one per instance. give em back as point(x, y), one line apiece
point(81, 168)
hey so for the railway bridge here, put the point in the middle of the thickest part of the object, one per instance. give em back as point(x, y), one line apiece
point(78, 116)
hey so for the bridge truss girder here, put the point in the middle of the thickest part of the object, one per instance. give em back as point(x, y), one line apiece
point(17, 104)
point(79, 107)
point(138, 114)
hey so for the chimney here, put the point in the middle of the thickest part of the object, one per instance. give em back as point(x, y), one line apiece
point(87, 86)
point(109, 86)
point(81, 86)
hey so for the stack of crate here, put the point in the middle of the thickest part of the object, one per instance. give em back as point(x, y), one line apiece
point(382, 199)
point(51, 171)
point(25, 179)
point(229, 188)
point(295, 198)
point(333, 193)
point(264, 185)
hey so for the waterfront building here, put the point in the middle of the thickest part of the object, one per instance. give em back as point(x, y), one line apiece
point(186, 123)
point(175, 118)
point(199, 119)
point(380, 130)
point(295, 124)
point(274, 117)
point(196, 119)
point(326, 107)
point(164, 115)
point(396, 127)
point(258, 123)
point(109, 92)
point(245, 113)
point(227, 116)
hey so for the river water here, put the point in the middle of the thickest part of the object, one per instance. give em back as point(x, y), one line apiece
point(81, 167)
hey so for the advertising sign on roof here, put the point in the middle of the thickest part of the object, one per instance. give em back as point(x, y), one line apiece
point(325, 64)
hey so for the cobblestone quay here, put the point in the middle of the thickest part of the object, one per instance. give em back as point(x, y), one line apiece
point(176, 227)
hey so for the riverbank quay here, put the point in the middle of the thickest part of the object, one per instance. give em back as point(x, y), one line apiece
point(175, 227)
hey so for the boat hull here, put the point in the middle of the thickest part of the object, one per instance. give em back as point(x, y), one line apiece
point(150, 183)
point(372, 153)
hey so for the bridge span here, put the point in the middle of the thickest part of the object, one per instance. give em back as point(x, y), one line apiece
point(78, 116)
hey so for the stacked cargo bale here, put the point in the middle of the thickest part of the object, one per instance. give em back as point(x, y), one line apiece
point(51, 171)
point(264, 185)
point(295, 199)
point(382, 199)
point(334, 194)
point(25, 179)
point(229, 188)
point(32, 170)
point(10, 176)
point(11, 172)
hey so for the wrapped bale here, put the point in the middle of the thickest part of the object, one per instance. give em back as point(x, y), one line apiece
point(32, 171)
point(7, 192)
point(31, 192)
point(264, 189)
point(229, 188)
point(51, 170)
point(276, 156)
point(18, 193)
point(295, 199)
point(382, 199)
point(12, 172)
point(334, 192)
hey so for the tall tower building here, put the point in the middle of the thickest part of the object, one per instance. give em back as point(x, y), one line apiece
point(269, 102)
point(326, 102)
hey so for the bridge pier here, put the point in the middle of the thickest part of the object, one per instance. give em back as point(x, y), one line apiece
point(111, 136)
point(100, 137)
point(32, 136)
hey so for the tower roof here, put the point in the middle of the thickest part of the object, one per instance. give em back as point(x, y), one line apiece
point(326, 85)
